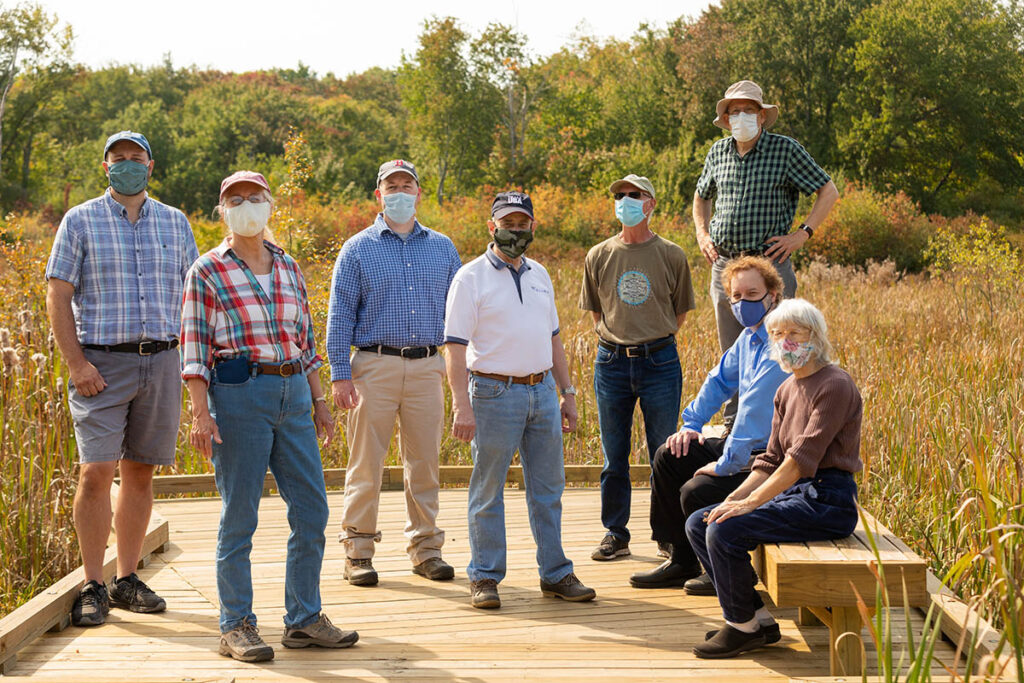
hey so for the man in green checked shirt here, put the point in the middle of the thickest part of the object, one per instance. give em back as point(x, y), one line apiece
point(755, 179)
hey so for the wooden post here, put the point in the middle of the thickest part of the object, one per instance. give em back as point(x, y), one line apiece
point(805, 617)
point(845, 654)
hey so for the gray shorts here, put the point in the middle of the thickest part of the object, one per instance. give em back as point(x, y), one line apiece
point(136, 416)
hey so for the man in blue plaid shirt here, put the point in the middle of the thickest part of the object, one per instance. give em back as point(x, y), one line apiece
point(387, 300)
point(755, 179)
point(114, 287)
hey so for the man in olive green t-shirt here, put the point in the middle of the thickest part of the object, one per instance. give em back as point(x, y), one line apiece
point(637, 286)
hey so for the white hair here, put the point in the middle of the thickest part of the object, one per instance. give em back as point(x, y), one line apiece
point(803, 313)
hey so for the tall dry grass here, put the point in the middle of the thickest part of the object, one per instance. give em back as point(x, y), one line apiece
point(938, 361)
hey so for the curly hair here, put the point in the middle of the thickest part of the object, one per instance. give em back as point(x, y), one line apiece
point(772, 279)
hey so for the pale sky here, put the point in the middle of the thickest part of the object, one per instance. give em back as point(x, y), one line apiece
point(341, 37)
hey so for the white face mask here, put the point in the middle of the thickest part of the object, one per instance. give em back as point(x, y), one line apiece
point(744, 126)
point(248, 219)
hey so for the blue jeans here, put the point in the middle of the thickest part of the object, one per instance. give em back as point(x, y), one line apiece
point(266, 422)
point(657, 381)
point(819, 508)
point(509, 417)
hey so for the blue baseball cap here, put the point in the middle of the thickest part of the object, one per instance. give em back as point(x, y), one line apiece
point(511, 202)
point(138, 138)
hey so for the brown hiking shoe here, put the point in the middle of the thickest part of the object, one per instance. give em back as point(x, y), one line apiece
point(243, 643)
point(435, 569)
point(321, 633)
point(485, 594)
point(569, 588)
point(360, 571)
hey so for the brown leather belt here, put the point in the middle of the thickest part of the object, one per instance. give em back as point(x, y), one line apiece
point(531, 380)
point(283, 369)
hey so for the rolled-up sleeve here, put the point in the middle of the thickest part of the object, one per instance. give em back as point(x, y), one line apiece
point(707, 187)
point(197, 326)
point(310, 359)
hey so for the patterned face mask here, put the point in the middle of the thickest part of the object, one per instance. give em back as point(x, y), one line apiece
point(792, 355)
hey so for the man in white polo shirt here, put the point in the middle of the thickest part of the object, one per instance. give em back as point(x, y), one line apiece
point(501, 325)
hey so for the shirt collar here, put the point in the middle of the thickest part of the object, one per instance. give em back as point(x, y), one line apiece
point(119, 208)
point(383, 227)
point(499, 264)
point(757, 145)
point(761, 333)
point(224, 247)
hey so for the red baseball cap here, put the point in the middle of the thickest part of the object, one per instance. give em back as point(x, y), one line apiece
point(243, 177)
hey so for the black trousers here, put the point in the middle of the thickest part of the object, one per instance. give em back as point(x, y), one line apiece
point(676, 494)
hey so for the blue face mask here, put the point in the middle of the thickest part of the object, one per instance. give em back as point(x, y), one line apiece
point(399, 207)
point(750, 313)
point(128, 177)
point(629, 211)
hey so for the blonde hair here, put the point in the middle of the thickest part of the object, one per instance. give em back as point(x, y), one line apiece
point(268, 235)
point(803, 313)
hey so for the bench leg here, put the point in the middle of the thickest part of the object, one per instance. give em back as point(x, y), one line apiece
point(805, 617)
point(845, 652)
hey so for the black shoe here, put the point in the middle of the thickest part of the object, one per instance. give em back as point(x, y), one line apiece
point(132, 594)
point(701, 585)
point(772, 633)
point(666, 575)
point(729, 642)
point(91, 606)
point(569, 588)
point(611, 547)
point(435, 569)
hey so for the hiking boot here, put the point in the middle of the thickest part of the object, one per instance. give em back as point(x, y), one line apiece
point(91, 606)
point(132, 594)
point(664, 549)
point(667, 575)
point(772, 633)
point(321, 633)
point(729, 642)
point(611, 547)
point(243, 643)
point(484, 594)
point(569, 588)
point(435, 569)
point(702, 585)
point(359, 571)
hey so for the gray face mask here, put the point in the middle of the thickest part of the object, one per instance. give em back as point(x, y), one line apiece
point(512, 243)
point(128, 177)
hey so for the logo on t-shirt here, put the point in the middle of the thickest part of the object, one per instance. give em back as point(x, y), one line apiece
point(634, 287)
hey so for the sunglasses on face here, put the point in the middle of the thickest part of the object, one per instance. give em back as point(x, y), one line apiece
point(238, 199)
point(631, 195)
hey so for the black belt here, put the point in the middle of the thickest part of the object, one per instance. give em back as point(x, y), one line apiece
point(146, 347)
point(637, 350)
point(404, 352)
point(722, 251)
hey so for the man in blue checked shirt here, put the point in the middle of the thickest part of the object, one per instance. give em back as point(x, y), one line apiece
point(691, 472)
point(114, 290)
point(387, 300)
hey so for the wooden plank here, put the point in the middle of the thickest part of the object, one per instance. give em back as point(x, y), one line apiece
point(51, 607)
point(965, 627)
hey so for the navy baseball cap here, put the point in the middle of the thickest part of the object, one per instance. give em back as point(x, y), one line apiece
point(138, 138)
point(511, 202)
point(396, 166)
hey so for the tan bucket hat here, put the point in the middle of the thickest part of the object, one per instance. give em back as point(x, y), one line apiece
point(744, 90)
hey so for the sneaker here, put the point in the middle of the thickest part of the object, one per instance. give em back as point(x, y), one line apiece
point(359, 571)
point(664, 549)
point(772, 633)
point(91, 606)
point(243, 643)
point(666, 575)
point(611, 547)
point(484, 594)
point(435, 569)
point(702, 585)
point(729, 642)
point(569, 588)
point(321, 633)
point(132, 594)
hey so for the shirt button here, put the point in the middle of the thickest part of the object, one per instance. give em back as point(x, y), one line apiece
point(410, 288)
point(414, 336)
point(413, 312)
point(409, 265)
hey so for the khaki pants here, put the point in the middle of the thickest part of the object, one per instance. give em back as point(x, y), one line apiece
point(412, 390)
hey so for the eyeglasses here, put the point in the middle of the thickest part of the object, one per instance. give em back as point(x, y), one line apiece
point(253, 198)
point(631, 195)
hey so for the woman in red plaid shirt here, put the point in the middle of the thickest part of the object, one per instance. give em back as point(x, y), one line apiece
point(250, 361)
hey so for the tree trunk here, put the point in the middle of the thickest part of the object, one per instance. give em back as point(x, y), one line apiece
point(26, 160)
point(3, 99)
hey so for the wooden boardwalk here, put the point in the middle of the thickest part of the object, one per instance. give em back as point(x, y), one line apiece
point(414, 629)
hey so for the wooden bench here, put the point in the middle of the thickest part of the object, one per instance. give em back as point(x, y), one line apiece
point(817, 578)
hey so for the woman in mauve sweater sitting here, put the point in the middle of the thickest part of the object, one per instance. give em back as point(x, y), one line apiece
point(801, 489)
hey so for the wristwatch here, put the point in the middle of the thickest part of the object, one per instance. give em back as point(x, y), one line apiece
point(569, 391)
point(808, 229)
point(319, 399)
